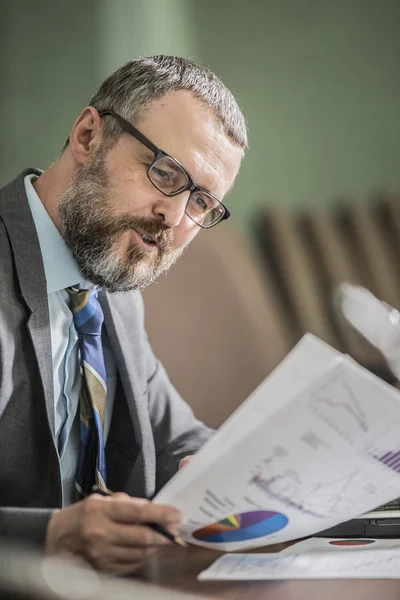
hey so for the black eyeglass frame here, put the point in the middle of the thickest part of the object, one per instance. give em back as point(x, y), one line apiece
point(158, 153)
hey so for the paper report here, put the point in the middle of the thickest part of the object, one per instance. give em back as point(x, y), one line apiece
point(316, 444)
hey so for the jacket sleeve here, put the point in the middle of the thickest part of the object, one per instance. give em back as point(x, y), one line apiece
point(28, 525)
point(25, 524)
point(177, 433)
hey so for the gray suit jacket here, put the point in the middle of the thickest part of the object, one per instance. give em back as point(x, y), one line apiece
point(151, 428)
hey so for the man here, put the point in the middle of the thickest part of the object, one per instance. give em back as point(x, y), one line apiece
point(83, 402)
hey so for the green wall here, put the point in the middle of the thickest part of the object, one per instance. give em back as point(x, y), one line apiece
point(48, 71)
point(54, 55)
point(129, 28)
point(318, 82)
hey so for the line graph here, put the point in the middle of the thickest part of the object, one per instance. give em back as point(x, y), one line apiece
point(353, 409)
point(317, 498)
point(341, 409)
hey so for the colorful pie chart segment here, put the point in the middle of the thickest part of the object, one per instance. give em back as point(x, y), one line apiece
point(351, 542)
point(242, 527)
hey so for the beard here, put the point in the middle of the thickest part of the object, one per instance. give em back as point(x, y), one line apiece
point(92, 230)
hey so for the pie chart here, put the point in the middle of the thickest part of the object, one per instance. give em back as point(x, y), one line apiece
point(351, 542)
point(241, 527)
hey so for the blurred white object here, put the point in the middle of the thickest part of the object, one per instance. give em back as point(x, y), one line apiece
point(27, 573)
point(378, 322)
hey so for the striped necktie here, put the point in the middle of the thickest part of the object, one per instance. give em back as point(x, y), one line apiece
point(88, 319)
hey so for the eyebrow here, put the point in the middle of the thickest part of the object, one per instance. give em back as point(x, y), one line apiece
point(146, 153)
point(204, 189)
point(143, 151)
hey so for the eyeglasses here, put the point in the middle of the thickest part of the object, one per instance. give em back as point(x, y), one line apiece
point(170, 178)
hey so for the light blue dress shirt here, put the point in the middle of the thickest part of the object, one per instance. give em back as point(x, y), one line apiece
point(61, 272)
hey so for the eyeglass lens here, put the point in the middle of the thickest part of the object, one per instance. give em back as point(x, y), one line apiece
point(169, 177)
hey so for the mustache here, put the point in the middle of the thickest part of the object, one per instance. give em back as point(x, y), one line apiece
point(154, 228)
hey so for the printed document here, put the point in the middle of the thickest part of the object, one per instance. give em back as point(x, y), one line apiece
point(375, 564)
point(316, 444)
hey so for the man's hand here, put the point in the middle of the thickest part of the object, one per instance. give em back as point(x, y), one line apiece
point(107, 531)
point(185, 461)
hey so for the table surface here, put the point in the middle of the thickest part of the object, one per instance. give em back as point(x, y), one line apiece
point(177, 568)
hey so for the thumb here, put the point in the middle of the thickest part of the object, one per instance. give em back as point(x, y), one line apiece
point(185, 461)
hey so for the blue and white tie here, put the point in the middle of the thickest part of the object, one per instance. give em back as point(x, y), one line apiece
point(88, 319)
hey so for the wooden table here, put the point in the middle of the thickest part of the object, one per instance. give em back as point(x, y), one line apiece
point(176, 568)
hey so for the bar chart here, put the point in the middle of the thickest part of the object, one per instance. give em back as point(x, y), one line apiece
point(390, 459)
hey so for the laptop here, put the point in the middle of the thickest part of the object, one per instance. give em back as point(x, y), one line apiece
point(383, 522)
point(380, 325)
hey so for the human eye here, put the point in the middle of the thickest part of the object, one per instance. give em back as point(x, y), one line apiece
point(202, 203)
point(162, 175)
point(199, 201)
point(165, 175)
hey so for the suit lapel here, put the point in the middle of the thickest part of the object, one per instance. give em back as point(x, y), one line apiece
point(39, 329)
point(14, 211)
point(121, 336)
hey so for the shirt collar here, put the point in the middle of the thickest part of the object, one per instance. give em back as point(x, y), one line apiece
point(61, 269)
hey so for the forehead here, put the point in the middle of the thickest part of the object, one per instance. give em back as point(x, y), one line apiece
point(184, 127)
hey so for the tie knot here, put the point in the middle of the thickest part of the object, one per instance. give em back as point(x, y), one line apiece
point(86, 310)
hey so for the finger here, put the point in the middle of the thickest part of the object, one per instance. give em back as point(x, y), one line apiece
point(121, 568)
point(185, 461)
point(135, 536)
point(138, 510)
point(130, 555)
point(123, 560)
point(123, 508)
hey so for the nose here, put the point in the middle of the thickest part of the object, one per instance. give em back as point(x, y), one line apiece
point(171, 209)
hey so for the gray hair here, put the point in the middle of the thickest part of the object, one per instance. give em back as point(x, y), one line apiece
point(138, 83)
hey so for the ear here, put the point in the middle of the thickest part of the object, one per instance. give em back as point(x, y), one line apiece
point(85, 136)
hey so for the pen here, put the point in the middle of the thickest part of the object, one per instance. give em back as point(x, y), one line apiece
point(176, 539)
